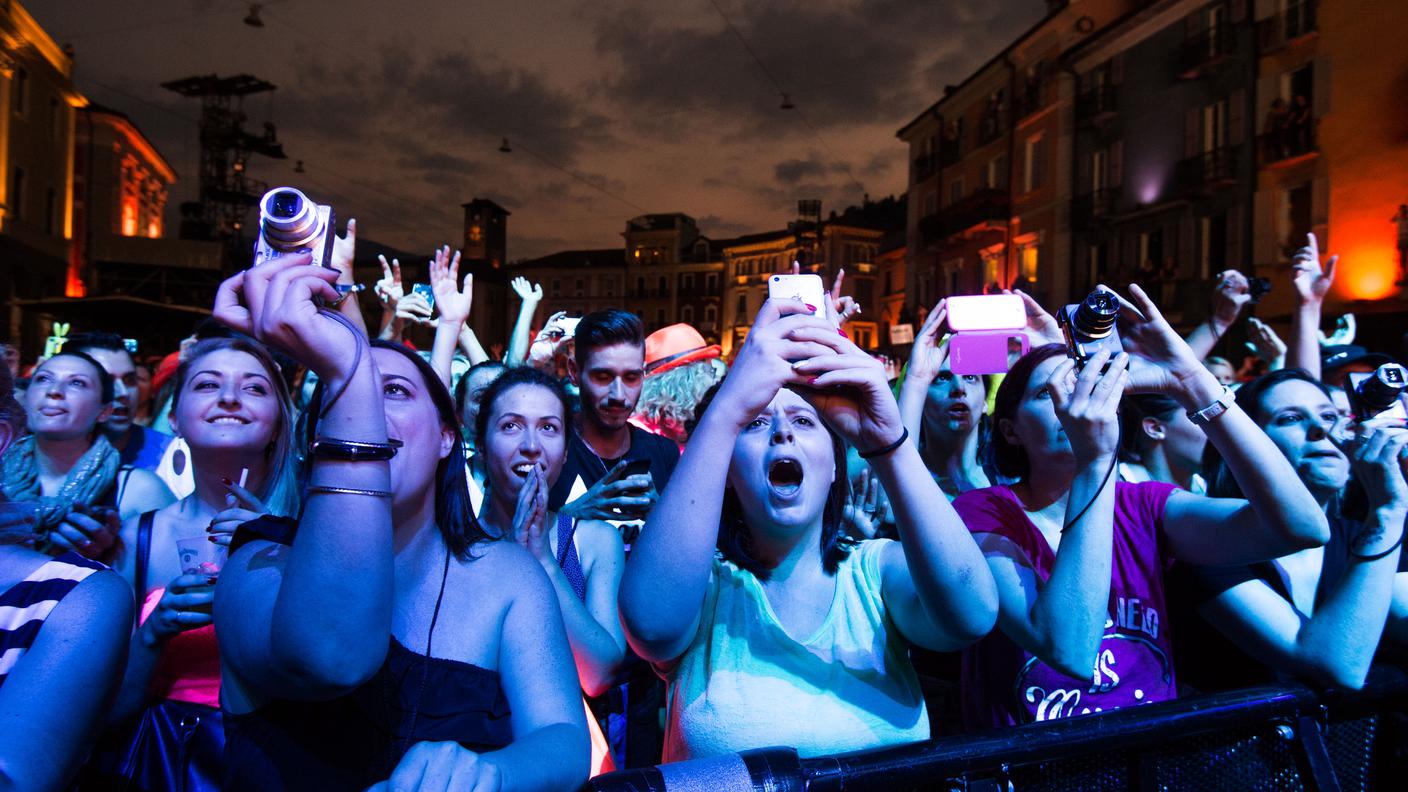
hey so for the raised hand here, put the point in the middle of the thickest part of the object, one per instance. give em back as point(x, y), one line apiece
point(1229, 299)
point(275, 303)
point(1042, 327)
point(1377, 457)
point(866, 506)
point(415, 308)
point(185, 605)
point(1311, 282)
point(845, 308)
point(1086, 403)
point(613, 497)
point(389, 288)
point(927, 355)
point(1264, 343)
point(849, 390)
point(454, 303)
point(1161, 361)
point(526, 291)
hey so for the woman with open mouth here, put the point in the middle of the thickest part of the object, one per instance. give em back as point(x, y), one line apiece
point(522, 430)
point(791, 635)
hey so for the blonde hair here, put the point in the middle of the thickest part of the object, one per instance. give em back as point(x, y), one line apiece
point(667, 400)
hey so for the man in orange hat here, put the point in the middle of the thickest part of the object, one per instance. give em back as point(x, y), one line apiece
point(680, 367)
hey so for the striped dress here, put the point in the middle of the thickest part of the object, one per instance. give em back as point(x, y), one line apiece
point(25, 605)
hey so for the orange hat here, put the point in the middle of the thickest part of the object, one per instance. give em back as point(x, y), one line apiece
point(674, 346)
point(165, 370)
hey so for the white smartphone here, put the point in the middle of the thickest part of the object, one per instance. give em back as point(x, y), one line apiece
point(807, 288)
point(976, 312)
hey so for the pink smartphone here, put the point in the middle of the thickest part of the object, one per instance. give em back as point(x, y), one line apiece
point(807, 288)
point(988, 332)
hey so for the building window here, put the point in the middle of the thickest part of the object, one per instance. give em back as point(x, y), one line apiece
point(640, 286)
point(1030, 259)
point(17, 192)
point(21, 91)
point(931, 204)
point(711, 283)
point(1214, 126)
point(743, 307)
point(992, 270)
point(955, 191)
point(1214, 245)
point(1099, 164)
point(609, 283)
point(659, 317)
point(687, 282)
point(687, 314)
point(579, 286)
point(992, 174)
point(1151, 249)
point(664, 286)
point(1034, 172)
point(711, 315)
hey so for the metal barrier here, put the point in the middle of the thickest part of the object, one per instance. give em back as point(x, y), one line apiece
point(1286, 737)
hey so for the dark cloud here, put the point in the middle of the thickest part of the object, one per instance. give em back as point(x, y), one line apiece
point(718, 227)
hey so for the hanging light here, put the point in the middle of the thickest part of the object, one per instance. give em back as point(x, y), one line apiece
point(239, 165)
point(504, 147)
point(298, 167)
point(252, 18)
point(787, 103)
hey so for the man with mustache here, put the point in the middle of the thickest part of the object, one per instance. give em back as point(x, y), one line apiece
point(139, 446)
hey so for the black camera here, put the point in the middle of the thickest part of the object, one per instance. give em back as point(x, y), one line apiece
point(1373, 394)
point(1089, 326)
point(1258, 288)
point(289, 222)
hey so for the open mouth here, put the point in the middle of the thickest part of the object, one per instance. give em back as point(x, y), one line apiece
point(959, 411)
point(785, 476)
point(522, 468)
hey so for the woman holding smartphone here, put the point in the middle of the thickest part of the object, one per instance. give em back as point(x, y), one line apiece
point(794, 635)
point(338, 670)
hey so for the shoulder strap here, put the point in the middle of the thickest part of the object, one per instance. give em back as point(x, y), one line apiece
point(144, 552)
point(123, 474)
point(566, 529)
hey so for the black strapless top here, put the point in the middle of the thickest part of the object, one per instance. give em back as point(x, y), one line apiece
point(356, 740)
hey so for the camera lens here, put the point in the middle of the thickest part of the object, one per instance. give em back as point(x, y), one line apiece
point(1095, 318)
point(286, 204)
point(1380, 389)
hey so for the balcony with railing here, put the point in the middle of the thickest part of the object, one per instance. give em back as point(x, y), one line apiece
point(1299, 19)
point(982, 207)
point(1030, 99)
point(1208, 171)
point(991, 128)
point(1095, 206)
point(1206, 50)
point(1288, 146)
point(1098, 103)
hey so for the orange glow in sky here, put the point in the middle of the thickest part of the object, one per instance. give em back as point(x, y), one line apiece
point(1368, 263)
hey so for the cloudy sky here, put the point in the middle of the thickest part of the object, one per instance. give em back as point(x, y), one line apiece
point(612, 107)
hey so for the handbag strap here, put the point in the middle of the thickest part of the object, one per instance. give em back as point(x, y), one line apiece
point(144, 552)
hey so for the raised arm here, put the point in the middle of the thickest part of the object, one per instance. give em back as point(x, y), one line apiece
point(1229, 299)
point(1336, 644)
point(454, 304)
point(390, 290)
point(344, 249)
point(926, 357)
point(531, 294)
point(1311, 285)
point(469, 344)
point(937, 586)
point(1279, 515)
point(664, 585)
point(310, 621)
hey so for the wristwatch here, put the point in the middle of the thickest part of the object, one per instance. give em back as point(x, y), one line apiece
point(1220, 405)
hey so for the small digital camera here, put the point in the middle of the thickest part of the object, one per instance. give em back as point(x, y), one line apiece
point(289, 223)
point(1374, 395)
point(1089, 326)
point(1258, 288)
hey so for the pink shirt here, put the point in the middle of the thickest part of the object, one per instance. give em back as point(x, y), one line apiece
point(189, 669)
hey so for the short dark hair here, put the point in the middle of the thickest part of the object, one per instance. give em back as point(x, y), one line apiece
point(1134, 408)
point(86, 342)
point(1011, 458)
point(462, 387)
point(606, 328)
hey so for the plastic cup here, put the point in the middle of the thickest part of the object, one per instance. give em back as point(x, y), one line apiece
point(200, 556)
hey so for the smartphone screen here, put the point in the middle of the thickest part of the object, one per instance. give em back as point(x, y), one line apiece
point(424, 290)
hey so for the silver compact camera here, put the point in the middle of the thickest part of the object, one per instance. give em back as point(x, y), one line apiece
point(289, 222)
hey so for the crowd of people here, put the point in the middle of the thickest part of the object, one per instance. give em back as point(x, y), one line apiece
point(299, 553)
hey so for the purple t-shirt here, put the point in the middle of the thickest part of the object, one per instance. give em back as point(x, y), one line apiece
point(1005, 685)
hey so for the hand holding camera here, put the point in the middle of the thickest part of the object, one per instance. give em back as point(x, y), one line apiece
point(1160, 360)
point(1087, 402)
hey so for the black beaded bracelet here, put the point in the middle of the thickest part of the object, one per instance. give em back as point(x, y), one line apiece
point(352, 450)
point(879, 452)
point(1377, 556)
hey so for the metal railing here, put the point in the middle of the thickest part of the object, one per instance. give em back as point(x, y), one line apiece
point(1206, 48)
point(1096, 103)
point(1207, 170)
point(1274, 737)
point(1300, 18)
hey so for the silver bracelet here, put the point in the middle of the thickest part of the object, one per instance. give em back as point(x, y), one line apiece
point(314, 489)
